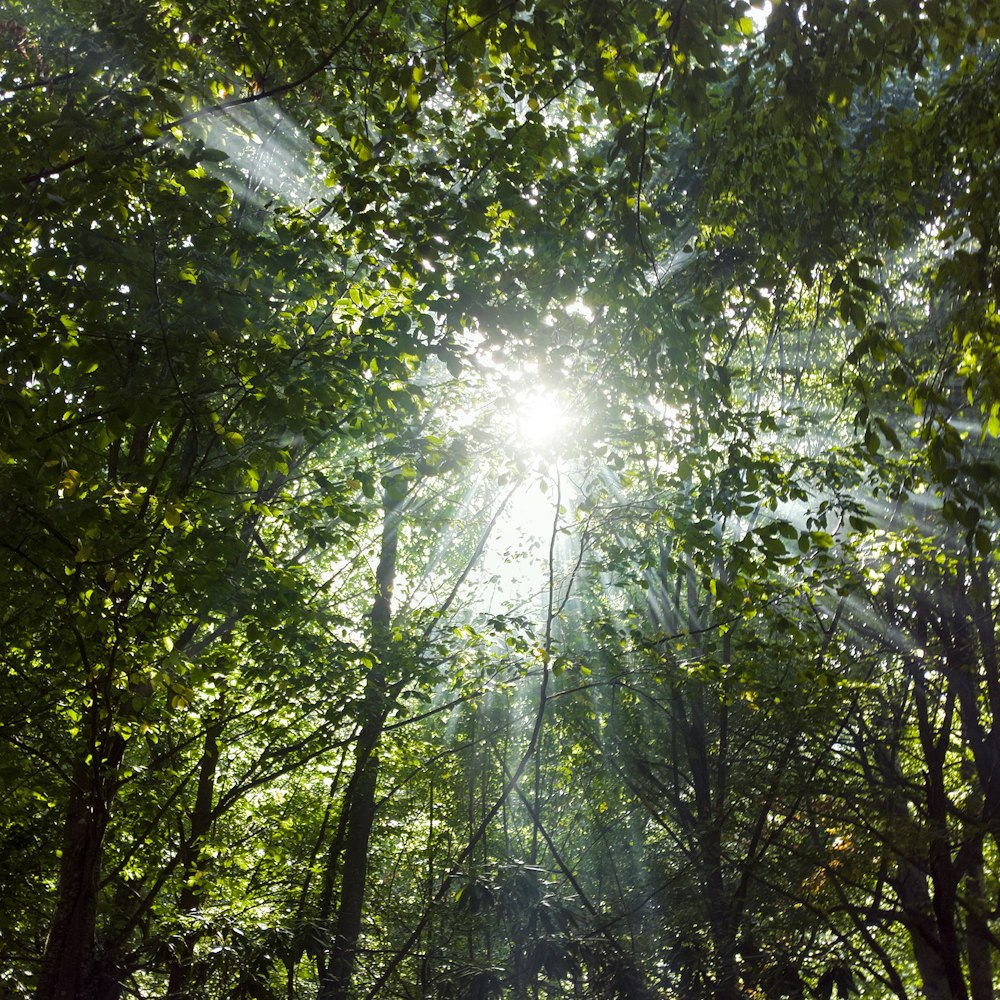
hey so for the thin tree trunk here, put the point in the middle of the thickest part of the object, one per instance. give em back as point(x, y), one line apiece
point(347, 927)
point(910, 882)
point(69, 966)
point(708, 833)
point(189, 901)
point(977, 930)
point(914, 898)
point(336, 981)
point(944, 878)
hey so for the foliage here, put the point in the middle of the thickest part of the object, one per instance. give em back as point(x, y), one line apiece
point(292, 705)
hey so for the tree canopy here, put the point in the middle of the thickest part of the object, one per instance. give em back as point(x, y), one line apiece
point(499, 499)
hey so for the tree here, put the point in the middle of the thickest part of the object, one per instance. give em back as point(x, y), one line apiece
point(755, 252)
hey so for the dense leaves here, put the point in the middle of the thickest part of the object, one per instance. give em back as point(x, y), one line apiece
point(498, 499)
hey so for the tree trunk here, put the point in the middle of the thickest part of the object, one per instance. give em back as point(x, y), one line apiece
point(70, 967)
point(920, 916)
point(189, 901)
point(915, 901)
point(944, 878)
point(710, 810)
point(977, 929)
point(335, 982)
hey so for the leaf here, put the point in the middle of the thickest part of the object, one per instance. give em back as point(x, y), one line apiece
point(821, 539)
point(70, 482)
point(465, 74)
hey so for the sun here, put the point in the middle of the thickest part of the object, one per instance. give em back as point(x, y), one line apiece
point(541, 419)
